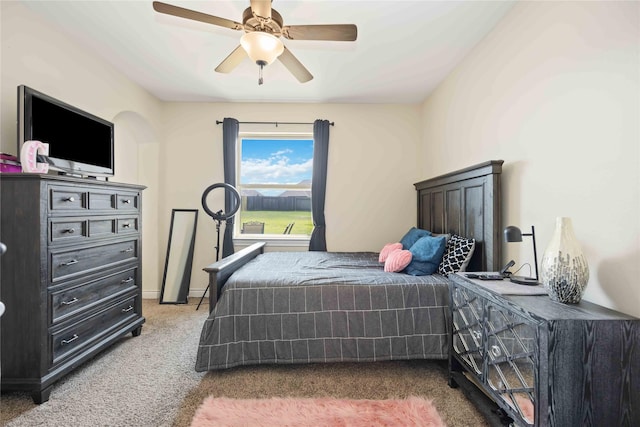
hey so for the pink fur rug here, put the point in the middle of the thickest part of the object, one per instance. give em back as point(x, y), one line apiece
point(290, 412)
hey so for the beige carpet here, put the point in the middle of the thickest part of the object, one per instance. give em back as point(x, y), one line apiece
point(159, 380)
point(384, 380)
point(139, 381)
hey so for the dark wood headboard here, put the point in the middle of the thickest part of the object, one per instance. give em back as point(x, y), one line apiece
point(466, 202)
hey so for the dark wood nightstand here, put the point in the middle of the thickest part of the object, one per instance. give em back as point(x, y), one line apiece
point(542, 362)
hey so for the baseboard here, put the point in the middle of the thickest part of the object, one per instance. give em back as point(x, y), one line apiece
point(150, 294)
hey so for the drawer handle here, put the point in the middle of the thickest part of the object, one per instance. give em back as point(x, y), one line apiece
point(73, 261)
point(128, 280)
point(69, 230)
point(70, 340)
point(126, 201)
point(72, 301)
point(127, 250)
point(125, 310)
point(126, 225)
point(69, 199)
point(495, 350)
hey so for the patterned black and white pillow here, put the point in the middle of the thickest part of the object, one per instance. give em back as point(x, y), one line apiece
point(457, 255)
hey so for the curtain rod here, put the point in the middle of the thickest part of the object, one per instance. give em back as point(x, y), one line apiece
point(218, 122)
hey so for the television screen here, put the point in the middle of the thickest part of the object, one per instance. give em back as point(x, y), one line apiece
point(79, 142)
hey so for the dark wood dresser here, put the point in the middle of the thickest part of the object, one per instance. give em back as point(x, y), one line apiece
point(71, 278)
point(545, 363)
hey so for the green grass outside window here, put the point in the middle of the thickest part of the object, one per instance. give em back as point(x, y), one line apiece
point(276, 221)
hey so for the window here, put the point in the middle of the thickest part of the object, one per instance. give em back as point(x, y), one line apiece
point(274, 181)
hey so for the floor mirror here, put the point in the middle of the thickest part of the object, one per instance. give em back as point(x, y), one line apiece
point(177, 268)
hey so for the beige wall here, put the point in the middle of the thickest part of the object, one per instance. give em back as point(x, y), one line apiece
point(176, 149)
point(41, 57)
point(371, 168)
point(554, 91)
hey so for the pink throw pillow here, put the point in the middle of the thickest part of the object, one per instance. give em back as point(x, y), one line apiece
point(397, 260)
point(387, 249)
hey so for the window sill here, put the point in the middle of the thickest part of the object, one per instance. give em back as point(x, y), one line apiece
point(289, 241)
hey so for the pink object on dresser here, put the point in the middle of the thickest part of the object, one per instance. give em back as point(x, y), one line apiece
point(9, 164)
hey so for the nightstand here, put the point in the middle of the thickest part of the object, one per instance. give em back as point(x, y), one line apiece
point(542, 362)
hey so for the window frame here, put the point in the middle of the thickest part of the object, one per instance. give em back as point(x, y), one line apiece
point(292, 240)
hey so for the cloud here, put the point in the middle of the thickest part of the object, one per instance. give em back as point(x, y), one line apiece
point(282, 152)
point(277, 169)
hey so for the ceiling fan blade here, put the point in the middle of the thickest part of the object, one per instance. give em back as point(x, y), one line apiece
point(232, 61)
point(338, 32)
point(195, 16)
point(261, 8)
point(294, 66)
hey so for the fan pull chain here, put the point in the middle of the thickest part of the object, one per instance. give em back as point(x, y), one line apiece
point(260, 80)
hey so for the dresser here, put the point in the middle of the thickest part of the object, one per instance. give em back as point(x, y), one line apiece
point(545, 363)
point(71, 278)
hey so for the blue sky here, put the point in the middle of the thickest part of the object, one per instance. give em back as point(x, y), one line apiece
point(276, 161)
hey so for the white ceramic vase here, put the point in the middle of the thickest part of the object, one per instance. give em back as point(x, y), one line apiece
point(564, 268)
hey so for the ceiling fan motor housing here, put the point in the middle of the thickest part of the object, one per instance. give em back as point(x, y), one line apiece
point(272, 25)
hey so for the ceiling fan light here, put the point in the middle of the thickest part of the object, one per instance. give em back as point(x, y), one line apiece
point(262, 47)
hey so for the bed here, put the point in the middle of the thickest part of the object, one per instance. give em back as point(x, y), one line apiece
point(318, 307)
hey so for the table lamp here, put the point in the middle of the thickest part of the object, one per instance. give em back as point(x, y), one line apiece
point(514, 234)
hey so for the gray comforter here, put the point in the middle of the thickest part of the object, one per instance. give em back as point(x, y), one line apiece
point(306, 307)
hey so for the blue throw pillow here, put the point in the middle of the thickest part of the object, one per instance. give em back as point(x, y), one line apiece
point(427, 253)
point(412, 237)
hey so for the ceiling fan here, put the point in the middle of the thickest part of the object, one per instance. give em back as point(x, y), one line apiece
point(263, 27)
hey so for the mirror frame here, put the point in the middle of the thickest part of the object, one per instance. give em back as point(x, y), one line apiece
point(177, 268)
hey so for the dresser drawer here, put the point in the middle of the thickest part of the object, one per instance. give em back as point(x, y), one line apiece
point(128, 202)
point(70, 262)
point(127, 225)
point(64, 198)
point(113, 200)
point(68, 230)
point(71, 340)
point(75, 299)
point(103, 199)
point(77, 229)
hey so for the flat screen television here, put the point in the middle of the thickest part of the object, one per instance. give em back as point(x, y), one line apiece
point(79, 142)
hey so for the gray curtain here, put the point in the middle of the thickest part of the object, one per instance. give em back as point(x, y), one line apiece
point(318, 240)
point(230, 129)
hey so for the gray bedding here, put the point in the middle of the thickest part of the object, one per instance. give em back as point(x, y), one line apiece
point(307, 307)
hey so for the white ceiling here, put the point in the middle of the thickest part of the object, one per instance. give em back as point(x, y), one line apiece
point(403, 51)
